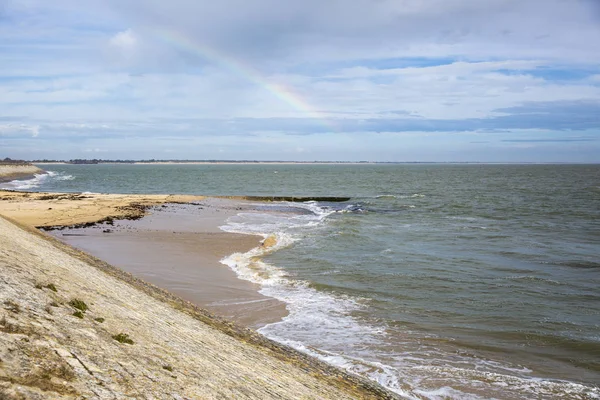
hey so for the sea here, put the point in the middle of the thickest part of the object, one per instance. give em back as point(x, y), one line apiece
point(439, 281)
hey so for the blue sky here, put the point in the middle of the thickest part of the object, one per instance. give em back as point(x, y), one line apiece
point(374, 80)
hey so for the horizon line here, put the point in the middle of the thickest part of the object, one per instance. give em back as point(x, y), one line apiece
point(212, 161)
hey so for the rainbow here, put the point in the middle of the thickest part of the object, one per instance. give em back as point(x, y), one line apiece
point(286, 95)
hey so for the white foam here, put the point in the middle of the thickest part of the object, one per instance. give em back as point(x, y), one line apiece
point(60, 177)
point(404, 196)
point(446, 392)
point(322, 319)
point(36, 181)
point(26, 184)
point(273, 221)
point(325, 325)
point(248, 267)
point(461, 218)
point(528, 387)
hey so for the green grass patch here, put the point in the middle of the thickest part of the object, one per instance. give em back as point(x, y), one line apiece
point(79, 304)
point(123, 338)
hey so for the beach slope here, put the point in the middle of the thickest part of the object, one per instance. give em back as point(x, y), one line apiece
point(72, 326)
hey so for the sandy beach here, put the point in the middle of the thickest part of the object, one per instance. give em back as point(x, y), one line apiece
point(179, 247)
point(178, 251)
point(70, 209)
point(178, 349)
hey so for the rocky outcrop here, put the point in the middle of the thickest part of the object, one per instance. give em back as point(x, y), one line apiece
point(296, 199)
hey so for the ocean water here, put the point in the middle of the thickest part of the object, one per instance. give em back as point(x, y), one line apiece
point(439, 281)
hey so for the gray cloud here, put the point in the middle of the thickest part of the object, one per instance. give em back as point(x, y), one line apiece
point(560, 115)
point(567, 140)
point(548, 116)
point(318, 30)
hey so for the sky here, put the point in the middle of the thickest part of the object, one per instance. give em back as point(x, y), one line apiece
point(328, 80)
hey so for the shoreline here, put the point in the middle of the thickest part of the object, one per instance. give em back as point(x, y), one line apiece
point(185, 254)
point(28, 210)
point(105, 287)
point(179, 247)
point(216, 163)
point(56, 210)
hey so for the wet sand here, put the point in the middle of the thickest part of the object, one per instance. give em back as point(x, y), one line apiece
point(178, 247)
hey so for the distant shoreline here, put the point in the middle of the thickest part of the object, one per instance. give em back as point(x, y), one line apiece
point(246, 163)
point(243, 162)
point(210, 162)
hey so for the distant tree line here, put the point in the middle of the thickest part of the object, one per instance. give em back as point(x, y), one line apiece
point(98, 161)
point(152, 160)
point(10, 161)
point(84, 161)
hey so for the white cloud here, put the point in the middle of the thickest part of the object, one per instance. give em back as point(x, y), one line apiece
point(125, 41)
point(19, 129)
point(125, 49)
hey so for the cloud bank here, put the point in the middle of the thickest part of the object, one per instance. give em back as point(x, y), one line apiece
point(427, 80)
